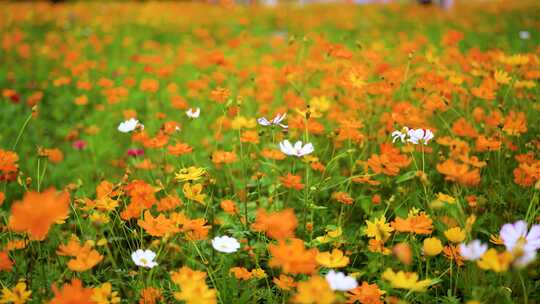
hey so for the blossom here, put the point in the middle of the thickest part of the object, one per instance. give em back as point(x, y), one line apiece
point(405, 280)
point(72, 293)
point(378, 229)
point(520, 242)
point(365, 294)
point(472, 251)
point(432, 246)
point(493, 260)
point(276, 121)
point(190, 174)
point(340, 281)
point(419, 135)
point(277, 225)
point(79, 144)
point(105, 295)
point(297, 150)
point(400, 135)
point(455, 235)
point(524, 35)
point(335, 259)
point(193, 112)
point(16, 295)
point(129, 125)
point(135, 152)
point(144, 258)
point(225, 244)
point(316, 290)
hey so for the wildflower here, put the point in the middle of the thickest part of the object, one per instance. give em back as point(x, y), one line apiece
point(432, 246)
point(193, 112)
point(335, 259)
point(5, 263)
point(520, 241)
point(129, 125)
point(135, 152)
point(451, 252)
point(316, 290)
point(193, 286)
point(17, 295)
point(194, 192)
point(419, 224)
point(190, 174)
point(150, 295)
point(298, 149)
point(225, 244)
point(277, 225)
point(37, 212)
point(105, 295)
point(455, 235)
point(73, 292)
point(403, 252)
point(223, 157)
point(157, 226)
point(405, 280)
point(419, 135)
point(179, 149)
point(365, 294)
point(524, 35)
point(493, 260)
point(8, 161)
point(276, 121)
point(379, 229)
point(291, 181)
point(400, 135)
point(340, 281)
point(144, 258)
point(472, 251)
point(241, 273)
point(293, 257)
point(284, 282)
point(229, 207)
point(343, 197)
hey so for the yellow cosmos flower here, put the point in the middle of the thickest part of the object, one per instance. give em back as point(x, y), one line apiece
point(190, 174)
point(335, 259)
point(379, 229)
point(405, 280)
point(314, 291)
point(17, 295)
point(105, 295)
point(194, 192)
point(455, 235)
point(502, 77)
point(493, 260)
point(432, 246)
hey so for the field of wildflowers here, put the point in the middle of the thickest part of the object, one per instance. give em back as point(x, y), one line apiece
point(188, 153)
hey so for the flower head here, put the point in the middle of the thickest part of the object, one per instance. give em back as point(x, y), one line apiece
point(225, 244)
point(298, 149)
point(420, 135)
point(193, 112)
point(144, 258)
point(472, 251)
point(276, 121)
point(340, 281)
point(129, 125)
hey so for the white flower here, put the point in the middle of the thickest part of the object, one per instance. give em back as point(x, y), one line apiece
point(472, 251)
point(225, 244)
point(524, 35)
point(400, 135)
point(515, 236)
point(297, 150)
point(417, 135)
point(144, 258)
point(276, 121)
point(340, 281)
point(525, 258)
point(129, 125)
point(193, 113)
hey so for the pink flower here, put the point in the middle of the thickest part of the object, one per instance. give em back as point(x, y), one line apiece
point(135, 152)
point(79, 144)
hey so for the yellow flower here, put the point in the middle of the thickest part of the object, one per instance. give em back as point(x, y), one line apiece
point(492, 260)
point(258, 273)
point(379, 229)
point(104, 294)
point(314, 291)
point(190, 174)
point(502, 77)
point(446, 198)
point(330, 236)
point(432, 246)
point(319, 104)
point(455, 235)
point(194, 192)
point(405, 280)
point(240, 122)
point(193, 287)
point(17, 295)
point(336, 259)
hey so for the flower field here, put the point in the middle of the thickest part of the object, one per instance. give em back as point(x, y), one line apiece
point(193, 153)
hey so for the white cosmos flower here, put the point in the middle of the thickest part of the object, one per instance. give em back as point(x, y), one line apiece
point(419, 135)
point(275, 122)
point(144, 258)
point(517, 236)
point(129, 125)
point(400, 135)
point(225, 244)
point(193, 112)
point(525, 35)
point(297, 150)
point(472, 251)
point(340, 281)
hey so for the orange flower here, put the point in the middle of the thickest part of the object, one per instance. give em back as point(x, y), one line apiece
point(291, 181)
point(149, 85)
point(179, 149)
point(484, 144)
point(5, 263)
point(452, 253)
point(343, 198)
point(419, 224)
point(2, 198)
point(72, 293)
point(195, 229)
point(220, 95)
point(168, 203)
point(84, 256)
point(150, 295)
point(334, 259)
point(273, 154)
point(37, 212)
point(229, 207)
point(459, 173)
point(241, 273)
point(389, 162)
point(314, 291)
point(403, 252)
point(55, 155)
point(158, 226)
point(284, 282)
point(223, 157)
point(293, 257)
point(8, 161)
point(277, 225)
point(250, 136)
point(515, 123)
point(365, 294)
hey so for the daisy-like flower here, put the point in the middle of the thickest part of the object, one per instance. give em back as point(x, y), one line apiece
point(275, 122)
point(521, 242)
point(144, 258)
point(225, 244)
point(193, 112)
point(340, 281)
point(524, 35)
point(129, 125)
point(420, 135)
point(297, 150)
point(472, 251)
point(400, 135)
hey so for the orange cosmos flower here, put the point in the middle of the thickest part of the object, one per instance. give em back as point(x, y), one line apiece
point(343, 198)
point(220, 95)
point(284, 282)
point(250, 136)
point(229, 207)
point(37, 212)
point(459, 173)
point(273, 154)
point(157, 226)
point(334, 259)
point(314, 291)
point(5, 263)
point(418, 224)
point(241, 273)
point(149, 85)
point(8, 161)
point(515, 123)
point(84, 257)
point(179, 149)
point(365, 294)
point(277, 225)
point(2, 198)
point(293, 257)
point(291, 181)
point(223, 157)
point(72, 293)
point(168, 203)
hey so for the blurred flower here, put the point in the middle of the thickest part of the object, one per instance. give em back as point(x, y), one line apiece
point(455, 235)
point(79, 144)
point(276, 121)
point(472, 251)
point(524, 35)
point(335, 259)
point(493, 260)
point(225, 244)
point(419, 135)
point(432, 246)
point(297, 150)
point(135, 152)
point(129, 125)
point(144, 258)
point(405, 280)
point(400, 135)
point(193, 112)
point(520, 241)
point(340, 281)
point(16, 295)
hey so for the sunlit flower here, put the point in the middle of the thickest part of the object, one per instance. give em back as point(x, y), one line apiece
point(334, 259)
point(432, 246)
point(16, 295)
point(297, 150)
point(193, 112)
point(520, 241)
point(472, 251)
point(340, 281)
point(405, 280)
point(420, 135)
point(129, 125)
point(401, 135)
point(225, 244)
point(276, 121)
point(144, 258)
